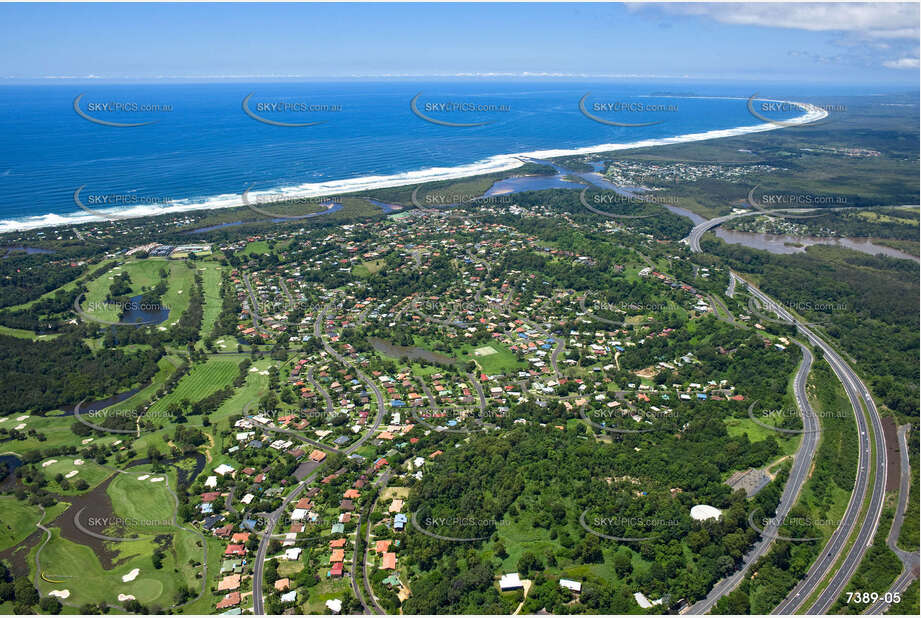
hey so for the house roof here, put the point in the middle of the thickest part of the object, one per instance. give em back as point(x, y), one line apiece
point(229, 600)
point(382, 545)
point(389, 560)
point(510, 581)
point(229, 582)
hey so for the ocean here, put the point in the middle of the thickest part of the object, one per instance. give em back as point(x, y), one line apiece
point(199, 146)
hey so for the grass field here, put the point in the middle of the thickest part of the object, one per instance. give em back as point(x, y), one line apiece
point(143, 500)
point(325, 590)
point(89, 471)
point(24, 334)
point(756, 433)
point(144, 275)
point(503, 361)
point(368, 268)
point(257, 247)
point(149, 504)
point(203, 380)
point(17, 520)
point(211, 289)
point(82, 574)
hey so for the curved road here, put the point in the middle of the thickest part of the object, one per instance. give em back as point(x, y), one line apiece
point(909, 560)
point(802, 462)
point(860, 397)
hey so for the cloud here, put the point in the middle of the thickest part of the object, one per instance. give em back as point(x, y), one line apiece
point(872, 21)
point(903, 63)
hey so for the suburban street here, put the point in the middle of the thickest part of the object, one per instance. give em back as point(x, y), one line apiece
point(258, 569)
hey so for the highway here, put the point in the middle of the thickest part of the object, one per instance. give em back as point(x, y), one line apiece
point(693, 238)
point(274, 516)
point(802, 462)
point(859, 397)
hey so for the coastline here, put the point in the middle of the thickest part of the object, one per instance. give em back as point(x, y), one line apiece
point(493, 164)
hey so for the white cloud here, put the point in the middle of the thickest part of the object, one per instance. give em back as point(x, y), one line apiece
point(878, 20)
point(902, 63)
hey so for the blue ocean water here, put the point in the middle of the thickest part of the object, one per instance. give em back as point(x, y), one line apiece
point(202, 148)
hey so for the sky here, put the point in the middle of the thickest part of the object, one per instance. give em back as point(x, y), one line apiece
point(836, 43)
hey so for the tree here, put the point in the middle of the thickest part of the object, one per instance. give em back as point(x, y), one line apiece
point(528, 562)
point(623, 565)
point(25, 591)
point(50, 605)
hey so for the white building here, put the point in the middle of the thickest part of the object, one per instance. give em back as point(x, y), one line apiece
point(571, 585)
point(510, 581)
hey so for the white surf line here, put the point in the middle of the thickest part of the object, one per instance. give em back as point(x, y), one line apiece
point(490, 165)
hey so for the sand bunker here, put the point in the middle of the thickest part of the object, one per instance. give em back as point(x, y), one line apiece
point(78, 462)
point(126, 597)
point(156, 479)
point(45, 464)
point(71, 474)
point(20, 426)
point(22, 418)
point(61, 594)
point(143, 477)
point(86, 441)
point(131, 575)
